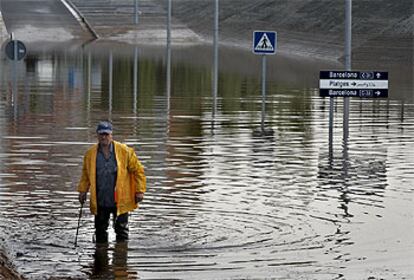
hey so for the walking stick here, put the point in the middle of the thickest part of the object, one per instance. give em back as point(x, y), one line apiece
point(77, 229)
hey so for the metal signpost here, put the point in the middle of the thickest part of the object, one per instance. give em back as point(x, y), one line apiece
point(216, 57)
point(264, 43)
point(348, 63)
point(15, 50)
point(136, 12)
point(368, 84)
point(169, 17)
point(363, 84)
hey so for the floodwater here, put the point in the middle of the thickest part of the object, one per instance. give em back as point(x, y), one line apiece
point(236, 190)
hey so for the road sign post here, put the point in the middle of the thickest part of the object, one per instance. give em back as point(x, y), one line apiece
point(15, 50)
point(365, 84)
point(215, 58)
point(136, 12)
point(346, 84)
point(348, 59)
point(264, 43)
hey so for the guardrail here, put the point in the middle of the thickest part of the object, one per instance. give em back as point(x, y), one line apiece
point(82, 18)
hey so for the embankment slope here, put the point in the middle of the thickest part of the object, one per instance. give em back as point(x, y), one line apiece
point(382, 29)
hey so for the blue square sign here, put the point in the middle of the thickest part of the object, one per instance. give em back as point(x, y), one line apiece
point(264, 42)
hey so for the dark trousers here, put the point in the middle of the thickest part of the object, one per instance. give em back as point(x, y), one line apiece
point(102, 223)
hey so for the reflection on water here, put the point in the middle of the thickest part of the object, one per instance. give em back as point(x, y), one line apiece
point(117, 268)
point(226, 199)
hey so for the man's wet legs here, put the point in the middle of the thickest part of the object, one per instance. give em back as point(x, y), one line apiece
point(121, 227)
point(102, 224)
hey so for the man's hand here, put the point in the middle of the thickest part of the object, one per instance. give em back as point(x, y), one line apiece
point(82, 197)
point(139, 197)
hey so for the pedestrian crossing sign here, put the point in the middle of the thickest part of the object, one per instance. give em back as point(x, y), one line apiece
point(264, 42)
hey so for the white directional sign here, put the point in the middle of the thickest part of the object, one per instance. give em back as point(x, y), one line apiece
point(353, 83)
point(264, 42)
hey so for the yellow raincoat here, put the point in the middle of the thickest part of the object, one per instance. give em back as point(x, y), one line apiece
point(130, 178)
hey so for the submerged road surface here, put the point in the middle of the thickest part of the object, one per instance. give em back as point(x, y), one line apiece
point(42, 21)
point(223, 201)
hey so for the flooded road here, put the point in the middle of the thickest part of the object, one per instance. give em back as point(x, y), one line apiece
point(235, 190)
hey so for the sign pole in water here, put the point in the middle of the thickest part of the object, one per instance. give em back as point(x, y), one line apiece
point(216, 57)
point(15, 59)
point(263, 91)
point(15, 50)
point(264, 43)
point(348, 57)
point(364, 84)
point(111, 77)
point(169, 15)
point(136, 12)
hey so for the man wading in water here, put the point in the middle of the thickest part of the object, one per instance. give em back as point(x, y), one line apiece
point(116, 181)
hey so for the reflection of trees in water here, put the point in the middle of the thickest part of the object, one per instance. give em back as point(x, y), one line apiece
point(194, 81)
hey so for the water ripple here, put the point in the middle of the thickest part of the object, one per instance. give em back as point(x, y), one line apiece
point(225, 199)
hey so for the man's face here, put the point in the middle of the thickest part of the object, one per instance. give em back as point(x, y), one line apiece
point(105, 138)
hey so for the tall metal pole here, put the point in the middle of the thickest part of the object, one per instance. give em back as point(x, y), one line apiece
point(169, 22)
point(263, 91)
point(15, 97)
point(88, 76)
point(110, 83)
point(135, 80)
point(169, 57)
point(348, 51)
point(89, 88)
point(136, 12)
point(331, 123)
point(168, 65)
point(168, 81)
point(216, 61)
point(348, 34)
